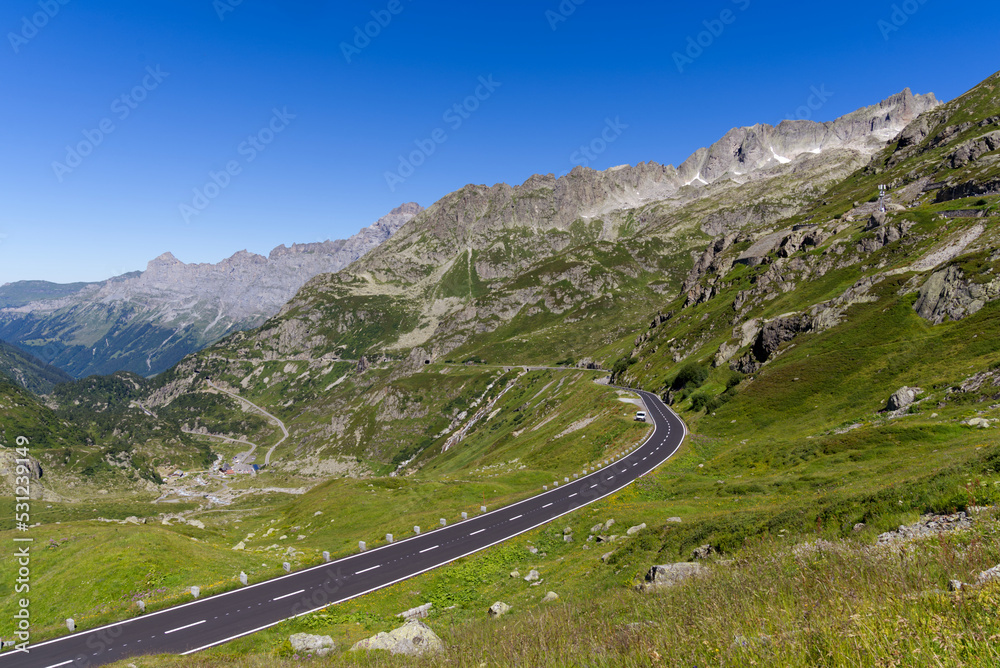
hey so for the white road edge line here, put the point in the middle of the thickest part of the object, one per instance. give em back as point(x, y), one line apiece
point(301, 591)
point(368, 569)
point(429, 549)
point(184, 627)
point(64, 663)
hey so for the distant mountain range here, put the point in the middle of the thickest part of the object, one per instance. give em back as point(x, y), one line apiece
point(145, 322)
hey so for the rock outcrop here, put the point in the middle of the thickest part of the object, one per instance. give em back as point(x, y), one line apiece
point(903, 398)
point(772, 335)
point(949, 295)
point(11, 469)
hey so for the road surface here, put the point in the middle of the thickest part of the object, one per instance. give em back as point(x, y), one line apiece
point(201, 624)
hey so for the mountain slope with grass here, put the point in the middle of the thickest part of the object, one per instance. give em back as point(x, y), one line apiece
point(836, 365)
point(28, 371)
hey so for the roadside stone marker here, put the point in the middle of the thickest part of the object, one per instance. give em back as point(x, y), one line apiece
point(142, 606)
point(444, 522)
point(388, 538)
point(287, 566)
point(196, 591)
point(243, 578)
point(362, 546)
point(416, 530)
point(326, 557)
point(71, 625)
point(465, 516)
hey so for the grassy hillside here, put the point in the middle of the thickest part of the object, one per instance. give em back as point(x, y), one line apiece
point(28, 371)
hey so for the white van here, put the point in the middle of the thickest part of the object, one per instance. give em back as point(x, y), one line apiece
point(640, 416)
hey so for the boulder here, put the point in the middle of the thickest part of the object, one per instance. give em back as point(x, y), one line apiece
point(515, 574)
point(550, 597)
point(411, 639)
point(597, 528)
point(420, 612)
point(989, 575)
point(674, 520)
point(980, 423)
point(304, 643)
point(636, 529)
point(703, 552)
point(532, 576)
point(903, 397)
point(498, 609)
point(669, 575)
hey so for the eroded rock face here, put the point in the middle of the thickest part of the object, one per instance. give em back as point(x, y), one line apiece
point(949, 295)
point(772, 335)
point(973, 149)
point(412, 639)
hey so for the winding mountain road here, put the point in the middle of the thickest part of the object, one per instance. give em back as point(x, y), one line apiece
point(204, 623)
point(281, 425)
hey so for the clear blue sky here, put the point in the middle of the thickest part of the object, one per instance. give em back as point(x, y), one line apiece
point(199, 80)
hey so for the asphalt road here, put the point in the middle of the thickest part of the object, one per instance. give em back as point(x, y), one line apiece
point(203, 623)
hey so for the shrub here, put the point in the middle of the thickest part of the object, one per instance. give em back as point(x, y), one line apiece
point(691, 376)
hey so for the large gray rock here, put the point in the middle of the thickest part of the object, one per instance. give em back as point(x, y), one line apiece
point(903, 397)
point(412, 639)
point(498, 609)
point(669, 575)
point(304, 643)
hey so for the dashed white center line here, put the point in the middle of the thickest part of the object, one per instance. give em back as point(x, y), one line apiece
point(64, 663)
point(515, 518)
point(183, 627)
point(475, 532)
point(546, 506)
point(572, 495)
point(368, 569)
point(593, 486)
point(294, 593)
point(429, 549)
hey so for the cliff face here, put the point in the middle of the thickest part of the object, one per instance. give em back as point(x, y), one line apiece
point(145, 323)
